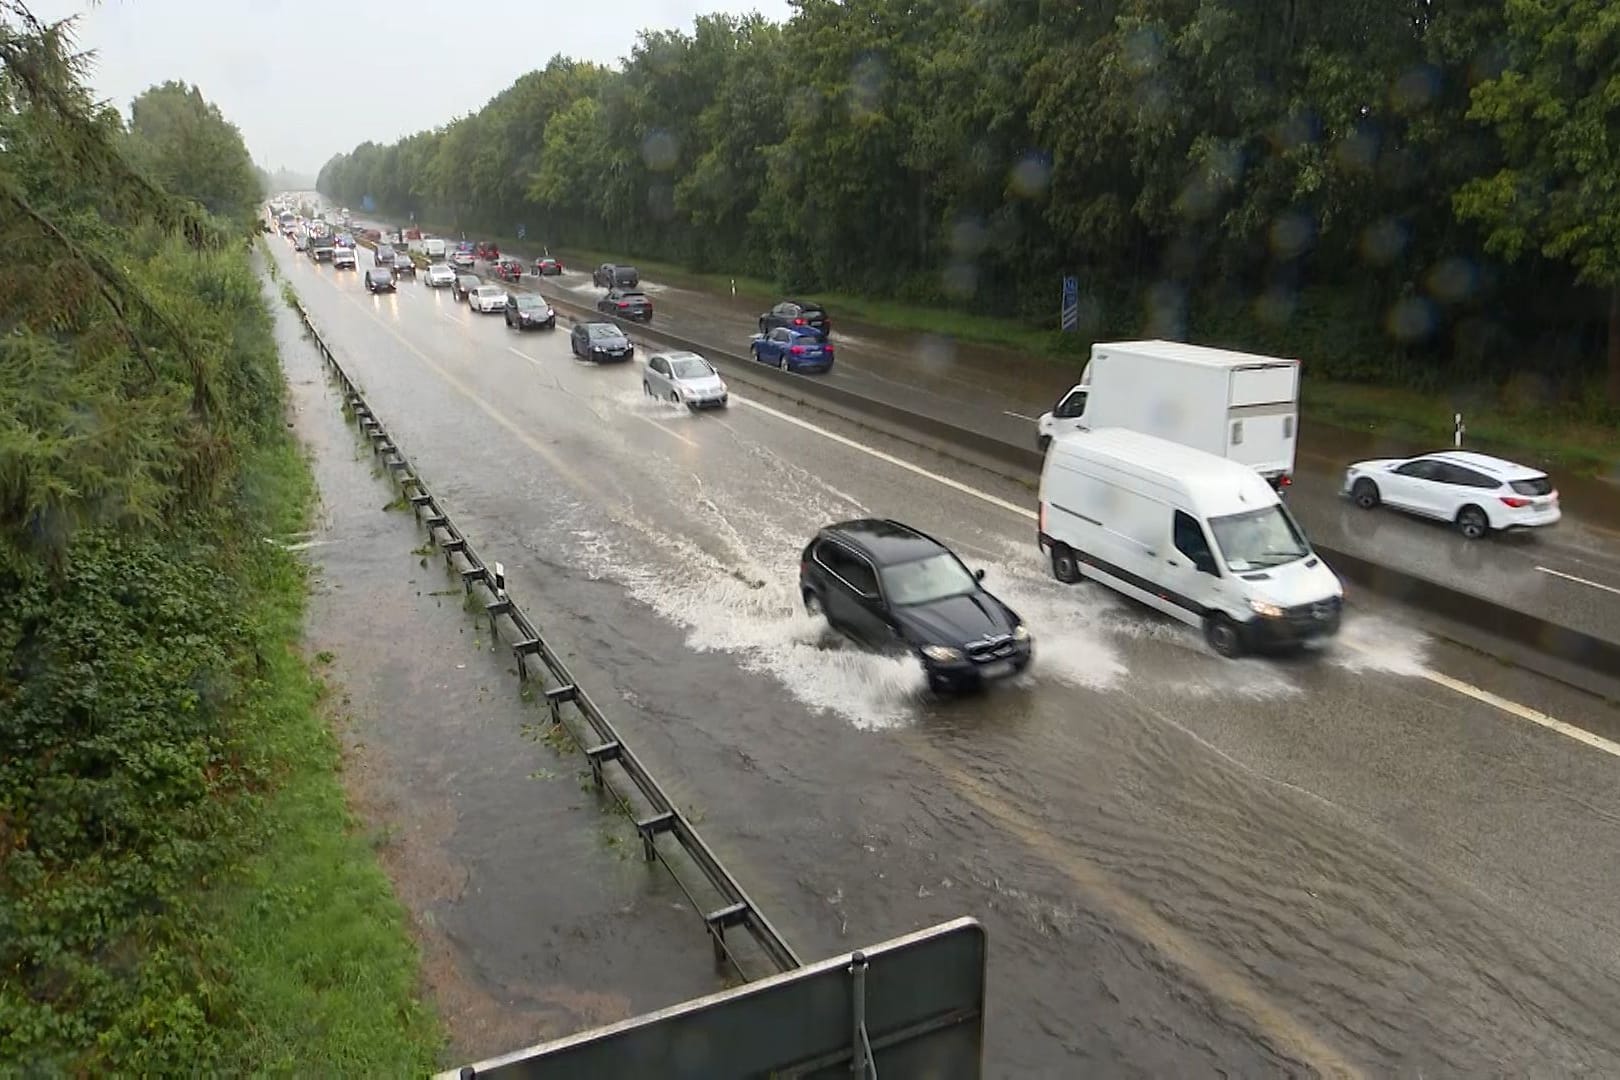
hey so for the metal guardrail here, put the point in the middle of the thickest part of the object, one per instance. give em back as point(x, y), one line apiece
point(527, 644)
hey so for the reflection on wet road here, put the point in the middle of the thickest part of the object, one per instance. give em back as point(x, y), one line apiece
point(1351, 860)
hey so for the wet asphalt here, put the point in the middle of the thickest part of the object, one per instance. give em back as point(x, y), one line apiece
point(1349, 861)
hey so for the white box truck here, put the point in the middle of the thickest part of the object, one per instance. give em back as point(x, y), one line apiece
point(1194, 535)
point(1238, 405)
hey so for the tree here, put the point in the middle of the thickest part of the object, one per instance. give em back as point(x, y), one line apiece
point(193, 151)
point(1556, 110)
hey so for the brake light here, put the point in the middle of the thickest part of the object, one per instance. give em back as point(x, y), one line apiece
point(828, 346)
point(798, 322)
point(797, 350)
point(1515, 502)
point(624, 303)
point(1286, 481)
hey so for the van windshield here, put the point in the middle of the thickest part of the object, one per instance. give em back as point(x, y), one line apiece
point(1258, 539)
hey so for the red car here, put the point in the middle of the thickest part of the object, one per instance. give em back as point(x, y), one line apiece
point(546, 265)
point(487, 251)
point(509, 270)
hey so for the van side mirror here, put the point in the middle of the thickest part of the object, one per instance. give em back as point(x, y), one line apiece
point(978, 575)
point(1205, 563)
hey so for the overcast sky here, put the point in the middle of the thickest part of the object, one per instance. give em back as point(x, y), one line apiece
point(306, 79)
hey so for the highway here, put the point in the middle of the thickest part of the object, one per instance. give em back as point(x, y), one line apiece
point(1389, 855)
point(1569, 575)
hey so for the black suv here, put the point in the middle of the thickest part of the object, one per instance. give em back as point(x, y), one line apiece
point(798, 314)
point(610, 276)
point(626, 304)
point(893, 589)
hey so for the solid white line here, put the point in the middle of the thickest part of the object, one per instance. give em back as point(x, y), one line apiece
point(1485, 697)
point(1021, 416)
point(1581, 580)
point(955, 485)
point(1524, 712)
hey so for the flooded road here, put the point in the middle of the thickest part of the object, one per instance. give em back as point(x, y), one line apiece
point(1357, 860)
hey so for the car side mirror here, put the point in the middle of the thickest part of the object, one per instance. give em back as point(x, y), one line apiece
point(978, 575)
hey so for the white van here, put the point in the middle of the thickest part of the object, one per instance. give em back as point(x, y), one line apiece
point(1197, 536)
point(433, 248)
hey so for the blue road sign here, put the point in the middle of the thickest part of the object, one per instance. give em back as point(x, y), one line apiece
point(522, 232)
point(1071, 303)
point(368, 203)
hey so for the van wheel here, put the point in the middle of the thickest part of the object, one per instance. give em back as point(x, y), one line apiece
point(1365, 494)
point(1222, 635)
point(1472, 522)
point(1065, 567)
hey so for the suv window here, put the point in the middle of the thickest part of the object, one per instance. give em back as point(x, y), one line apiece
point(856, 571)
point(1466, 477)
point(1540, 485)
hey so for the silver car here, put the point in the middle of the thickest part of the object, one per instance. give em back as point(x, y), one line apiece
point(684, 378)
point(439, 276)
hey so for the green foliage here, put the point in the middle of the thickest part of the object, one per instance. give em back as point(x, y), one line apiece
point(1180, 156)
point(191, 149)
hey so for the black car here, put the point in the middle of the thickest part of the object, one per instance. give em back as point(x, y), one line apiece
point(524, 310)
point(403, 265)
point(600, 341)
point(612, 276)
point(465, 284)
point(385, 255)
point(797, 314)
point(380, 279)
point(626, 304)
point(894, 589)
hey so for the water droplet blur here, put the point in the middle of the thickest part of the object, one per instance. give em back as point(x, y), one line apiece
point(1167, 311)
point(1383, 241)
point(969, 237)
point(1291, 233)
point(1411, 319)
point(1357, 151)
point(661, 200)
point(936, 353)
point(1276, 305)
point(659, 151)
point(1452, 280)
point(1152, 100)
point(960, 279)
point(1415, 88)
point(1299, 129)
point(867, 82)
point(1031, 175)
point(1142, 51)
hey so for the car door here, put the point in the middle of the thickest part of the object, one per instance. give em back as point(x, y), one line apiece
point(658, 377)
point(1408, 486)
point(781, 340)
point(1458, 486)
point(854, 602)
point(1192, 574)
point(579, 340)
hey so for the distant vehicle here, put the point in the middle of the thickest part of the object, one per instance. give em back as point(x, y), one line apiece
point(612, 276)
point(1475, 492)
point(793, 349)
point(509, 270)
point(1197, 536)
point(380, 279)
point(627, 304)
point(796, 313)
point(487, 298)
point(598, 341)
point(288, 223)
point(301, 242)
point(344, 240)
point(1238, 405)
point(465, 284)
point(385, 255)
point(403, 264)
point(371, 235)
point(439, 275)
point(684, 378)
point(433, 248)
point(321, 246)
point(546, 266)
point(524, 310)
point(894, 589)
point(343, 259)
point(463, 258)
point(487, 250)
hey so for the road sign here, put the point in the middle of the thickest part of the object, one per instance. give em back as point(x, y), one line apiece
point(1071, 303)
point(913, 1006)
point(522, 232)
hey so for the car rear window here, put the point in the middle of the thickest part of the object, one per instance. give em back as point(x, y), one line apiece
point(632, 295)
point(1538, 485)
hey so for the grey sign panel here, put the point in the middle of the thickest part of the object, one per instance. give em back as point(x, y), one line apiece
point(923, 1017)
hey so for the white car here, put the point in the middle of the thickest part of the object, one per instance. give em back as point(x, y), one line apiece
point(684, 378)
point(439, 275)
point(464, 259)
point(343, 258)
point(487, 298)
point(1475, 492)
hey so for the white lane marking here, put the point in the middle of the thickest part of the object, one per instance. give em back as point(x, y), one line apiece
point(524, 356)
point(1581, 580)
point(1019, 415)
point(954, 485)
point(1512, 708)
point(667, 431)
point(1524, 712)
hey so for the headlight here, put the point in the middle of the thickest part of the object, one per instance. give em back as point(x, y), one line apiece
point(944, 654)
point(1262, 608)
point(1020, 632)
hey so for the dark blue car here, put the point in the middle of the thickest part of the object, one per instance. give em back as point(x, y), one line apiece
point(793, 349)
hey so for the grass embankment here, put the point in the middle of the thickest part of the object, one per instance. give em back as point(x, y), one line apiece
point(182, 888)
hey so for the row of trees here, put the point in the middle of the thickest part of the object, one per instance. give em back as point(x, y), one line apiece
point(1404, 189)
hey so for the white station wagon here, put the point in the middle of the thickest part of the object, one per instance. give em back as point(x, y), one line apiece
point(1475, 492)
